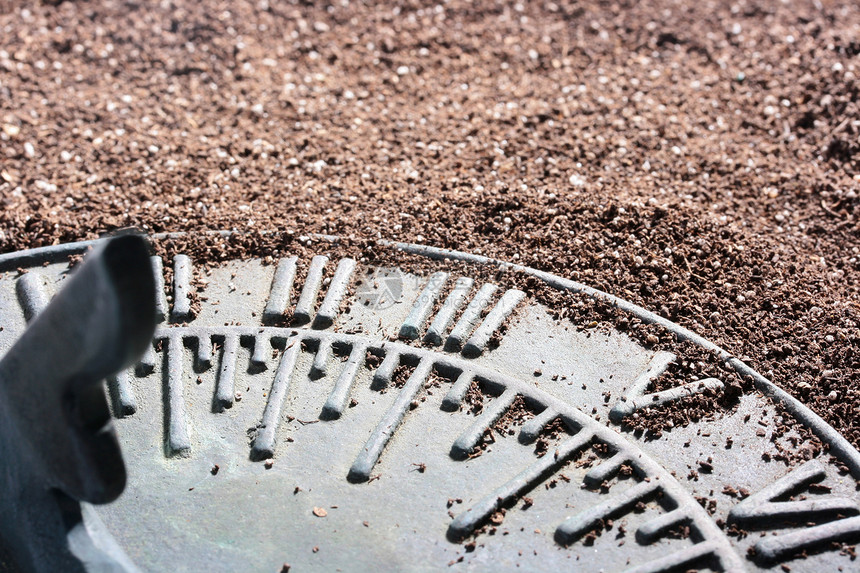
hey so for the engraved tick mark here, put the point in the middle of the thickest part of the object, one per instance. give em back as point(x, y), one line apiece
point(33, 295)
point(182, 274)
point(422, 306)
point(264, 443)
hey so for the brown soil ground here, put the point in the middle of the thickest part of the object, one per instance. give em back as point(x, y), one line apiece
point(699, 158)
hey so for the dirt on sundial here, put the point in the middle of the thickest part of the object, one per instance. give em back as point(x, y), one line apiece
point(701, 159)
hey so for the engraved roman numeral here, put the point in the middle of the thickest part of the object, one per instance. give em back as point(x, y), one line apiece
point(762, 511)
point(280, 294)
point(636, 398)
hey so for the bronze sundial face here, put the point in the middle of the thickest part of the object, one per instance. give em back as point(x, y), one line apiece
point(329, 414)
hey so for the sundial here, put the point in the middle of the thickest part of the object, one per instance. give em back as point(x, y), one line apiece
point(327, 414)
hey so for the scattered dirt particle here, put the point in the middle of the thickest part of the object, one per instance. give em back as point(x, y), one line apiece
point(372, 360)
point(549, 436)
point(474, 398)
point(401, 375)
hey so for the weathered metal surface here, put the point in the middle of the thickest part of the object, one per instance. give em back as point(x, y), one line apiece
point(239, 430)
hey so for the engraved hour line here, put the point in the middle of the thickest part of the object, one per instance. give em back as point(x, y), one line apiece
point(32, 294)
point(160, 298)
point(280, 294)
point(476, 344)
point(530, 431)
point(226, 391)
point(423, 306)
point(369, 455)
point(653, 530)
point(598, 474)
point(147, 362)
point(443, 319)
point(339, 397)
point(203, 355)
point(264, 443)
point(261, 352)
point(465, 444)
point(465, 523)
point(680, 558)
point(321, 358)
point(455, 395)
point(781, 546)
point(470, 316)
point(334, 296)
point(760, 510)
point(177, 431)
point(310, 290)
point(383, 374)
point(181, 288)
point(125, 399)
point(575, 527)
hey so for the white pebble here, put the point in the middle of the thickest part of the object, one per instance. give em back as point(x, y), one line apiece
point(577, 180)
